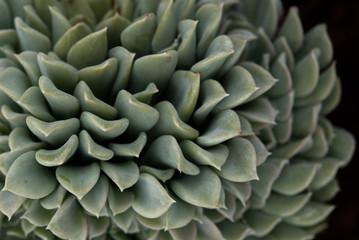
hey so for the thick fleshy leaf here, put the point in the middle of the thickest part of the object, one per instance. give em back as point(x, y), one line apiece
point(262, 44)
point(137, 37)
point(285, 206)
point(285, 231)
point(119, 201)
point(57, 157)
point(327, 192)
point(305, 74)
point(160, 174)
point(310, 214)
point(320, 145)
point(284, 105)
point(146, 95)
point(10, 203)
point(15, 119)
point(295, 178)
point(224, 126)
point(34, 21)
point(115, 26)
point(183, 91)
point(79, 55)
point(78, 180)
point(92, 150)
point(124, 174)
point(318, 37)
point(261, 150)
point(20, 139)
point(28, 60)
point(342, 147)
point(144, 66)
point(166, 28)
point(7, 159)
point(142, 117)
point(292, 29)
point(333, 99)
point(207, 230)
point(95, 200)
point(57, 99)
point(291, 148)
point(260, 222)
point(8, 37)
point(13, 83)
point(151, 199)
point(305, 120)
point(99, 77)
point(241, 190)
point(125, 60)
point(5, 15)
point(55, 199)
point(214, 156)
point(63, 75)
point(178, 215)
point(216, 54)
point(188, 232)
point(59, 24)
point(125, 220)
point(202, 190)
point(209, 18)
point(35, 103)
point(240, 165)
point(283, 49)
point(187, 48)
point(55, 133)
point(326, 172)
point(259, 111)
point(267, 173)
point(211, 93)
point(263, 79)
point(280, 71)
point(166, 152)
point(103, 129)
point(69, 38)
point(98, 227)
point(29, 179)
point(322, 90)
point(239, 44)
point(169, 123)
point(69, 222)
point(132, 149)
point(30, 39)
point(240, 85)
point(37, 215)
point(89, 103)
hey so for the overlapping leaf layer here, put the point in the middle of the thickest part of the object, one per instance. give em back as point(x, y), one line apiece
point(165, 119)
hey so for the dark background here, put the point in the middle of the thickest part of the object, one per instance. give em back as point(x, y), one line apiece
point(342, 19)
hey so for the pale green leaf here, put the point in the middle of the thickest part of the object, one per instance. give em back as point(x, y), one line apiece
point(124, 174)
point(79, 54)
point(69, 222)
point(78, 180)
point(151, 199)
point(240, 165)
point(29, 179)
point(57, 157)
point(166, 152)
point(202, 190)
point(55, 133)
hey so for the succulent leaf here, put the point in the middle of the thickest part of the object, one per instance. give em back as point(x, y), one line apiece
point(166, 119)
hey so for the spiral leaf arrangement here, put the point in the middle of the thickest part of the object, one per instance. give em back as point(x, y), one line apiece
point(165, 119)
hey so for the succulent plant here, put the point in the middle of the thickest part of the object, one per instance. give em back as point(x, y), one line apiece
point(165, 119)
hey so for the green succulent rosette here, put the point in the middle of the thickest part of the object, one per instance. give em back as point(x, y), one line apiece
point(165, 119)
